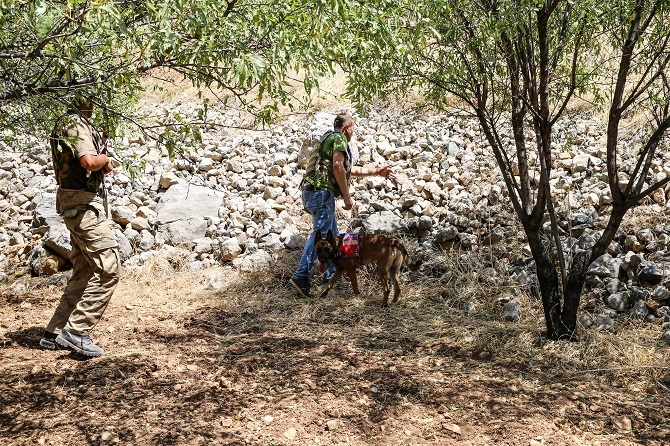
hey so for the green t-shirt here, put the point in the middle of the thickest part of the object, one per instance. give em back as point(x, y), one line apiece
point(320, 174)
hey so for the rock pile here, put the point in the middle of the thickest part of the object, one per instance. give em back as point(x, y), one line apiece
point(237, 199)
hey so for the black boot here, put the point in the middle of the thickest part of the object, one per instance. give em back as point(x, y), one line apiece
point(302, 285)
point(48, 341)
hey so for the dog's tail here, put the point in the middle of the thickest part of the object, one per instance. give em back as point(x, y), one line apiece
point(412, 266)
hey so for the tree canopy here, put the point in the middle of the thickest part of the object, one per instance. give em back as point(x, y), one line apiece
point(54, 50)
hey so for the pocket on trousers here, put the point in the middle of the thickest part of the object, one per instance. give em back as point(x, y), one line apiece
point(309, 202)
point(83, 220)
point(105, 254)
point(313, 202)
point(99, 245)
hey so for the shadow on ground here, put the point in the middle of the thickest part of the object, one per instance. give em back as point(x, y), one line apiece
point(252, 366)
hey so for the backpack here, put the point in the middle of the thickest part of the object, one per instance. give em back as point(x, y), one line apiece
point(314, 159)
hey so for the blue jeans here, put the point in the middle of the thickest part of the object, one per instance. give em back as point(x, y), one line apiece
point(320, 204)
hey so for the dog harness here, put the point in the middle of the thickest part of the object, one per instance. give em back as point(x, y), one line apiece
point(349, 247)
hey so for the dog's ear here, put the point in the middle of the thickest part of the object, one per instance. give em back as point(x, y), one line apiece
point(330, 237)
point(318, 235)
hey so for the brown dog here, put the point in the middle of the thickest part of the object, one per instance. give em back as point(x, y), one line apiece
point(387, 252)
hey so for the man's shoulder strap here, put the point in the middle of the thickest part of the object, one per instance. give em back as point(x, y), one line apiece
point(327, 134)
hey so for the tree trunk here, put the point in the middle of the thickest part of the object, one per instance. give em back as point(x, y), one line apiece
point(573, 292)
point(560, 305)
point(549, 284)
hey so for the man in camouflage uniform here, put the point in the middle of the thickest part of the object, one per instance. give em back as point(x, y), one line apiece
point(327, 176)
point(80, 164)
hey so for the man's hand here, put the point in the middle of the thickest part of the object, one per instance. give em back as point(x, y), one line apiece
point(348, 203)
point(386, 172)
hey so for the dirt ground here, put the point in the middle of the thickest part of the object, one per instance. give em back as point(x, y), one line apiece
point(251, 364)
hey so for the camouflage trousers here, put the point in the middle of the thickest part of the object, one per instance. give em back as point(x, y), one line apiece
point(95, 273)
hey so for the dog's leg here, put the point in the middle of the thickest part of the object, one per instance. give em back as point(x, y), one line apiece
point(383, 278)
point(395, 269)
point(354, 281)
point(331, 282)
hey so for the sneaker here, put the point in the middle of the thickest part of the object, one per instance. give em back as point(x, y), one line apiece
point(81, 344)
point(48, 341)
point(302, 285)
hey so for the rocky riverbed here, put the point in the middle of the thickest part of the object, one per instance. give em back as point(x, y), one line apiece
point(235, 199)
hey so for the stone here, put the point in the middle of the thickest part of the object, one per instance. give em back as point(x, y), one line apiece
point(633, 244)
point(660, 293)
point(613, 286)
point(638, 293)
point(290, 433)
point(181, 212)
point(121, 214)
point(332, 425)
point(446, 233)
point(663, 313)
point(140, 224)
point(202, 245)
point(467, 307)
point(43, 261)
point(603, 320)
point(147, 241)
point(598, 268)
point(640, 310)
point(16, 239)
point(455, 428)
point(107, 436)
point(622, 423)
point(56, 235)
point(168, 179)
point(19, 287)
point(59, 279)
point(230, 249)
point(618, 301)
point(384, 223)
point(582, 162)
point(216, 284)
point(256, 262)
point(511, 312)
point(585, 321)
point(650, 274)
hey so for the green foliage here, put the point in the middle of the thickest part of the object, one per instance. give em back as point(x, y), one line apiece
point(52, 50)
point(447, 49)
point(519, 64)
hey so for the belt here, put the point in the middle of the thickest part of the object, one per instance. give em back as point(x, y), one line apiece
point(309, 186)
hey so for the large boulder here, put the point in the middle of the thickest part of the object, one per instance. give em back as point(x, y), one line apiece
point(56, 236)
point(182, 212)
point(385, 222)
point(259, 261)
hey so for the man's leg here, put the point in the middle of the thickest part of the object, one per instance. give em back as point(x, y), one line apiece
point(321, 205)
point(81, 273)
point(91, 231)
point(104, 264)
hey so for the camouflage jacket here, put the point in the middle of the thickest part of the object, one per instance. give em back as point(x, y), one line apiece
point(71, 139)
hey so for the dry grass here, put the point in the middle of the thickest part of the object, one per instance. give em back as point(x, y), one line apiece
point(643, 216)
point(190, 365)
point(428, 312)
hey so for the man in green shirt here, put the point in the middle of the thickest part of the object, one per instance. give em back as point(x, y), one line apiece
point(327, 176)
